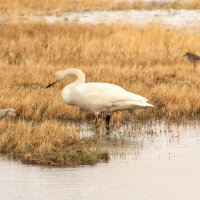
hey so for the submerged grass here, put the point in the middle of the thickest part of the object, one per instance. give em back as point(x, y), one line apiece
point(145, 60)
point(10, 7)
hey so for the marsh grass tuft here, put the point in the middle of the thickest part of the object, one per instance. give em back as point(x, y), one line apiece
point(48, 143)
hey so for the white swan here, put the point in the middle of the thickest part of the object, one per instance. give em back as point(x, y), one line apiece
point(8, 112)
point(97, 97)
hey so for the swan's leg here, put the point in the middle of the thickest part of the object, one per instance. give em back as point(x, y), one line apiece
point(107, 119)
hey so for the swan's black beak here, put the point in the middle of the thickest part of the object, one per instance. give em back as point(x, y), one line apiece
point(50, 84)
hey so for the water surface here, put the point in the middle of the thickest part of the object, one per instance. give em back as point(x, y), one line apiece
point(148, 161)
point(176, 18)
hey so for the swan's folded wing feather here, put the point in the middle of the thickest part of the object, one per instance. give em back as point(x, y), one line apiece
point(103, 95)
point(108, 91)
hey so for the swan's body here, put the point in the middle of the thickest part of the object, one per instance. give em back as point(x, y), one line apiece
point(102, 97)
point(98, 97)
point(7, 112)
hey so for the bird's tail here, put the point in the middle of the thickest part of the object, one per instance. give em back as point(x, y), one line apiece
point(150, 105)
point(143, 104)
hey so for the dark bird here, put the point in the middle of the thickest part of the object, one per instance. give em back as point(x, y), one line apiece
point(192, 58)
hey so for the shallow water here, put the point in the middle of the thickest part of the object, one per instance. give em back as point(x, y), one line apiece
point(175, 18)
point(148, 161)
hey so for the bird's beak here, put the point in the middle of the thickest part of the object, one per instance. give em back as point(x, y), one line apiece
point(50, 84)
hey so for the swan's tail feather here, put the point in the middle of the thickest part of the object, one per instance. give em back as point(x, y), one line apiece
point(143, 104)
point(149, 105)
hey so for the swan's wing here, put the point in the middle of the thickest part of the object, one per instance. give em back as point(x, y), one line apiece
point(109, 91)
point(102, 96)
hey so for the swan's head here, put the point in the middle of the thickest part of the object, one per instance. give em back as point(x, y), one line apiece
point(58, 77)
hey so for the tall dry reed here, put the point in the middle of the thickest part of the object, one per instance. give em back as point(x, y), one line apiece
point(145, 60)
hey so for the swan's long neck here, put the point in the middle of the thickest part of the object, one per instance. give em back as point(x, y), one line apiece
point(80, 76)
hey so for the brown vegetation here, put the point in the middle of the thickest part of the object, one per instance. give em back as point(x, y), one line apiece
point(47, 143)
point(10, 7)
point(145, 60)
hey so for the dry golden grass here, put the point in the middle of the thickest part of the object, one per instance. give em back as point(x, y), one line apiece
point(13, 7)
point(145, 60)
point(47, 143)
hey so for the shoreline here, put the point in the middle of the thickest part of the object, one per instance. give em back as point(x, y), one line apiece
point(11, 8)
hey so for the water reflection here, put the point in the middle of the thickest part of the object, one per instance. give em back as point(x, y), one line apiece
point(148, 161)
